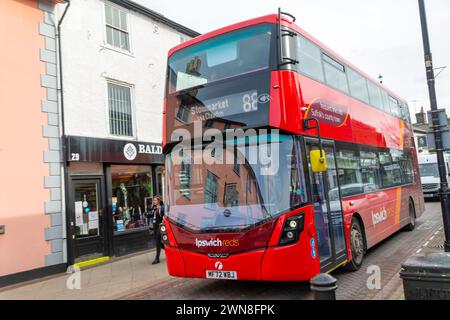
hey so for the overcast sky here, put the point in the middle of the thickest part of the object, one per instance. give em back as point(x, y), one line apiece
point(378, 36)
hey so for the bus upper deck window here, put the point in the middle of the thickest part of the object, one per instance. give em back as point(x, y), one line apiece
point(221, 54)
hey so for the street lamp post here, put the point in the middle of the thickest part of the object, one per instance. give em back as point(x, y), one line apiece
point(444, 190)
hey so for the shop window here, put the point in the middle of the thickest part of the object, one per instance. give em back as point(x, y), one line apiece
point(160, 181)
point(132, 194)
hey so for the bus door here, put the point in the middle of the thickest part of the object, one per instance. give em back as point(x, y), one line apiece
point(328, 214)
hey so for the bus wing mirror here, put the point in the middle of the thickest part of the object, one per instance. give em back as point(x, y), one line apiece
point(318, 161)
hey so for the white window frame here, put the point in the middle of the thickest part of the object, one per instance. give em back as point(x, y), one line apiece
point(133, 109)
point(105, 36)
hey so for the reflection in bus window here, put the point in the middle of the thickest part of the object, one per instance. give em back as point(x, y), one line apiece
point(370, 170)
point(209, 196)
point(390, 169)
point(349, 172)
point(211, 189)
point(226, 56)
point(407, 168)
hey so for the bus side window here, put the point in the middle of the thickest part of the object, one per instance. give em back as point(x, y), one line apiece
point(385, 99)
point(395, 107)
point(405, 112)
point(375, 95)
point(310, 60)
point(349, 171)
point(448, 167)
point(358, 85)
point(335, 75)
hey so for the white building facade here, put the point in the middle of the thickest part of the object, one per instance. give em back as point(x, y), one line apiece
point(114, 55)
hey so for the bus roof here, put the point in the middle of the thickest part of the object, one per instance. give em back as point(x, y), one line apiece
point(273, 18)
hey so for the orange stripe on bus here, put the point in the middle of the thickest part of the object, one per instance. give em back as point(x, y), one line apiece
point(398, 205)
point(402, 134)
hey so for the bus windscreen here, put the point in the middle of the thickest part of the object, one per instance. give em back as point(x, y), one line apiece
point(226, 56)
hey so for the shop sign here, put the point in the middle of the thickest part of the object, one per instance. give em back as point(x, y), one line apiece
point(85, 149)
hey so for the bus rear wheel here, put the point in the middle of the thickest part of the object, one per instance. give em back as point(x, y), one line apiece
point(357, 246)
point(412, 215)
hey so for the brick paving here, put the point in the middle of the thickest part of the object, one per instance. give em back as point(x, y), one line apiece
point(106, 281)
point(388, 256)
point(136, 279)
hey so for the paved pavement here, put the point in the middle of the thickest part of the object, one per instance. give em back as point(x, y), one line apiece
point(106, 281)
point(388, 256)
point(136, 279)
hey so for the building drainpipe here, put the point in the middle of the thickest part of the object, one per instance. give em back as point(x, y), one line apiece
point(65, 186)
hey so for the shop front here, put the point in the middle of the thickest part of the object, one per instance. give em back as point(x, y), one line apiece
point(111, 184)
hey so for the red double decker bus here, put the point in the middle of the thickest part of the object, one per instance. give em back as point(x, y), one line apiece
point(283, 160)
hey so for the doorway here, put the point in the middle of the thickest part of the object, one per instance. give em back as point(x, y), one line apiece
point(87, 218)
point(328, 214)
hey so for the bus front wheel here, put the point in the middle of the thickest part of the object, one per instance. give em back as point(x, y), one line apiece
point(412, 214)
point(357, 246)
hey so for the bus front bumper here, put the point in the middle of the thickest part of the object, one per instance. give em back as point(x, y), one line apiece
point(290, 263)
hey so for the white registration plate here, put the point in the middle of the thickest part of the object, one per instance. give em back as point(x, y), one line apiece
point(429, 195)
point(224, 275)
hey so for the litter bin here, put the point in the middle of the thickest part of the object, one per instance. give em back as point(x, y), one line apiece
point(426, 276)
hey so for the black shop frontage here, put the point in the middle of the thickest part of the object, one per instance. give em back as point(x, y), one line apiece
point(109, 190)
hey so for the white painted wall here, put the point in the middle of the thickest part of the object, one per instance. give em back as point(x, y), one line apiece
point(88, 62)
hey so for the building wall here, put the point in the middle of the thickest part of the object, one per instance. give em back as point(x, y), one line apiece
point(88, 63)
point(30, 183)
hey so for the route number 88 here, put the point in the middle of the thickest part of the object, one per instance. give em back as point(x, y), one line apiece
point(250, 102)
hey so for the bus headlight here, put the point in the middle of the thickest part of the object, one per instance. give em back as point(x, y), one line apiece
point(292, 228)
point(164, 237)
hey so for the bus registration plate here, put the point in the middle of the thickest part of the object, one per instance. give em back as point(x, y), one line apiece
point(215, 274)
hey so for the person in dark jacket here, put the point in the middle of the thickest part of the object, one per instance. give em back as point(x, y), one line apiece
point(157, 214)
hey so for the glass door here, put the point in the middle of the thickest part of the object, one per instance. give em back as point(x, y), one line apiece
point(328, 216)
point(87, 219)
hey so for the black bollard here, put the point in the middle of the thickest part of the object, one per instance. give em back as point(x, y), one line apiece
point(324, 287)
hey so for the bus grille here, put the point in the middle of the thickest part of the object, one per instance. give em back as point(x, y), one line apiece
point(430, 186)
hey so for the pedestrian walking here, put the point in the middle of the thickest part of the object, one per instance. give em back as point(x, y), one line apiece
point(156, 216)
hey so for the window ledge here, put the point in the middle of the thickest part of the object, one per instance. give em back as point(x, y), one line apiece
point(118, 50)
point(124, 138)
